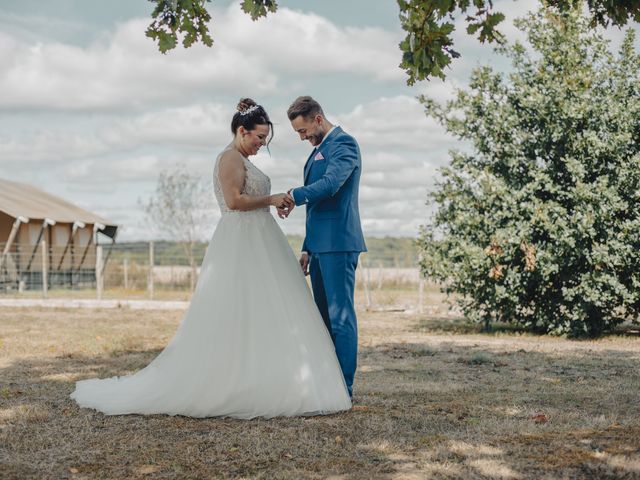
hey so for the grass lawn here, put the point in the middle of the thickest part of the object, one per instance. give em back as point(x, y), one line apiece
point(434, 398)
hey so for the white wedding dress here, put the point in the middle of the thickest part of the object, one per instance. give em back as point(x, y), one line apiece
point(252, 343)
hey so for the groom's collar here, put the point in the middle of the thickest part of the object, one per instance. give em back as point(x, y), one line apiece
point(327, 136)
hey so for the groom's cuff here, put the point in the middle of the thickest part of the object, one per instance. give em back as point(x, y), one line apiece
point(298, 197)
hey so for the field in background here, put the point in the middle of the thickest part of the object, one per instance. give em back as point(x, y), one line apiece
point(434, 399)
point(162, 271)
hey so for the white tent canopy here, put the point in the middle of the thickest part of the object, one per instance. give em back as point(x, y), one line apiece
point(21, 200)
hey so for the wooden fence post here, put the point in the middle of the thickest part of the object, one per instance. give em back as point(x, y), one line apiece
point(99, 272)
point(365, 283)
point(420, 287)
point(193, 275)
point(125, 269)
point(151, 265)
point(45, 268)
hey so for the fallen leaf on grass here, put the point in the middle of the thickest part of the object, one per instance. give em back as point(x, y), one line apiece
point(147, 469)
point(74, 470)
point(338, 439)
point(359, 408)
point(539, 417)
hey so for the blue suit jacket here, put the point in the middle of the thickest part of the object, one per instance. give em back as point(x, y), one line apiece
point(330, 192)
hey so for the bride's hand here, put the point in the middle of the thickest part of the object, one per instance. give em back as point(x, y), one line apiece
point(282, 201)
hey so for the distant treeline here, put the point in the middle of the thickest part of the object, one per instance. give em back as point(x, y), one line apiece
point(397, 252)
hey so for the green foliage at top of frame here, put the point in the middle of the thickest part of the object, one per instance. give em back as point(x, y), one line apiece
point(397, 252)
point(427, 49)
point(539, 224)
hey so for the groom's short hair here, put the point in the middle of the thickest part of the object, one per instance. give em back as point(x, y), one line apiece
point(305, 106)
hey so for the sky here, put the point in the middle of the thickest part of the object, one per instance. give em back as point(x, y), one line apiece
point(92, 112)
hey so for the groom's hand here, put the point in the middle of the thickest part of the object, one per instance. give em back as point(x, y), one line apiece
point(291, 204)
point(304, 263)
point(282, 212)
point(287, 207)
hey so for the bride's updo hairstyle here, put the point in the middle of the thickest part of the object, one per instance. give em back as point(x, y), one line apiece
point(249, 115)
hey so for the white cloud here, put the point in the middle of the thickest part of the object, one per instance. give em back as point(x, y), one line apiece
point(48, 147)
point(124, 70)
point(129, 169)
point(304, 43)
point(398, 122)
point(191, 126)
point(403, 179)
point(387, 161)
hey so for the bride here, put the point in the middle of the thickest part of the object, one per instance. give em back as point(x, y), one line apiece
point(252, 343)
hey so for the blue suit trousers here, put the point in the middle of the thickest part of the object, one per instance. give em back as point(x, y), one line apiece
point(333, 278)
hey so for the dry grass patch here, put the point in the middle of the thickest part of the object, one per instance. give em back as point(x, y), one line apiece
point(434, 399)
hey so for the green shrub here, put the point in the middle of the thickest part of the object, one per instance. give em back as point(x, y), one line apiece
point(538, 224)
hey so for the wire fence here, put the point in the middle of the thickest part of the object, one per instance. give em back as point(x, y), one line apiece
point(26, 267)
point(167, 271)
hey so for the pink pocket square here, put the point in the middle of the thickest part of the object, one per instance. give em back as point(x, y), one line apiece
point(318, 156)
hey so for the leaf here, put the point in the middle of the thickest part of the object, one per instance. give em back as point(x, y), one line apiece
point(360, 408)
point(472, 28)
point(166, 42)
point(147, 469)
point(539, 417)
point(258, 8)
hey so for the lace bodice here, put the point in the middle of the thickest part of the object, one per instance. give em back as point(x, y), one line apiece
point(255, 183)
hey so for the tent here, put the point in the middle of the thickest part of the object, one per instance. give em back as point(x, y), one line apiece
point(29, 216)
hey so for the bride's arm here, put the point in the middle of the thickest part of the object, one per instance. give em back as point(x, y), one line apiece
point(231, 173)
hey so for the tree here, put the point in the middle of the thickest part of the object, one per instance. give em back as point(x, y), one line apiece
point(428, 46)
point(180, 211)
point(538, 225)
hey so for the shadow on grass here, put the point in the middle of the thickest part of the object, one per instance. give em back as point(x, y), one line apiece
point(449, 411)
point(462, 325)
point(511, 413)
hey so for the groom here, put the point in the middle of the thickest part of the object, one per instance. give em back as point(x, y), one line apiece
point(334, 237)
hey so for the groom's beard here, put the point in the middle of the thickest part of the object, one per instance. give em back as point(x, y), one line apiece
point(317, 138)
